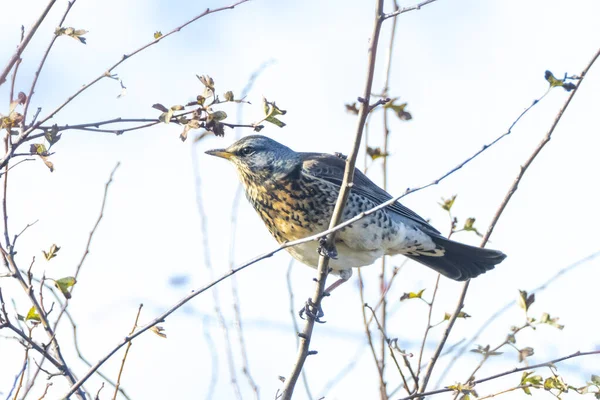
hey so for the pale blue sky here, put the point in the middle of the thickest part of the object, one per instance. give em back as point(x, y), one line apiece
point(466, 68)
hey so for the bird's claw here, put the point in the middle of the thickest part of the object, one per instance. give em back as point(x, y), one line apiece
point(312, 311)
point(324, 251)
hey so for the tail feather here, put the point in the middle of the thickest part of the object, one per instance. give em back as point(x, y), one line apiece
point(460, 261)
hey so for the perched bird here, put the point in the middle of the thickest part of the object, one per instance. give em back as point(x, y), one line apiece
point(295, 194)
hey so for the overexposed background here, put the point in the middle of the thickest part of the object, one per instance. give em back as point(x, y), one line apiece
point(466, 68)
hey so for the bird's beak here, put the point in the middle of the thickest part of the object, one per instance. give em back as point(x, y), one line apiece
point(220, 153)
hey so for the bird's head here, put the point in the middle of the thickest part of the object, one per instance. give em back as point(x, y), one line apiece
point(260, 159)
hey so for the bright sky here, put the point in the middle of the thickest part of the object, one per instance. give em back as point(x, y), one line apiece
point(466, 68)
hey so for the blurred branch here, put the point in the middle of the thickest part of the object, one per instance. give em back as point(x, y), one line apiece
point(232, 237)
point(361, 290)
point(407, 9)
point(89, 241)
point(208, 265)
point(24, 42)
point(137, 317)
point(295, 324)
point(384, 166)
point(507, 198)
point(512, 371)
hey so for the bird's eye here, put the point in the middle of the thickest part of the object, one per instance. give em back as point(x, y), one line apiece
point(246, 151)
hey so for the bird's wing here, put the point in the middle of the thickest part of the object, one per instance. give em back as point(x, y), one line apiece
point(331, 169)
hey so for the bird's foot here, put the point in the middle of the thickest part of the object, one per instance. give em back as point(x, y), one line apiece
point(312, 311)
point(324, 251)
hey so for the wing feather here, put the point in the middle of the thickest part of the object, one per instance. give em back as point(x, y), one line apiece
point(331, 169)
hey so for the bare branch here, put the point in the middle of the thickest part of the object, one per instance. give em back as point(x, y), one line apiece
point(24, 42)
point(553, 279)
point(323, 267)
point(512, 371)
point(23, 136)
point(490, 229)
point(407, 9)
point(41, 65)
point(135, 324)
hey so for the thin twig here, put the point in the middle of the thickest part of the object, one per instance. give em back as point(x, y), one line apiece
point(135, 324)
point(427, 329)
point(407, 9)
point(382, 278)
point(512, 371)
point(24, 42)
point(295, 324)
point(391, 349)
point(553, 279)
point(89, 241)
point(23, 136)
point(368, 330)
point(70, 4)
point(509, 194)
point(43, 319)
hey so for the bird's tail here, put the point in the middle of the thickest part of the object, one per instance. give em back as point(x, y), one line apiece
point(460, 261)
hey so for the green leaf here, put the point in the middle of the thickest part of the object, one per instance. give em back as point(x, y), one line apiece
point(160, 107)
point(554, 82)
point(271, 111)
point(524, 353)
point(525, 301)
point(351, 108)
point(76, 34)
point(546, 319)
point(217, 116)
point(38, 148)
point(166, 116)
point(596, 380)
point(157, 34)
point(159, 330)
point(52, 135)
point(461, 314)
point(33, 315)
point(51, 253)
point(64, 284)
point(470, 226)
point(412, 295)
point(209, 85)
point(375, 153)
point(399, 109)
point(228, 96)
point(447, 204)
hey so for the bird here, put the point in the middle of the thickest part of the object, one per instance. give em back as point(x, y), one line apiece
point(294, 193)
